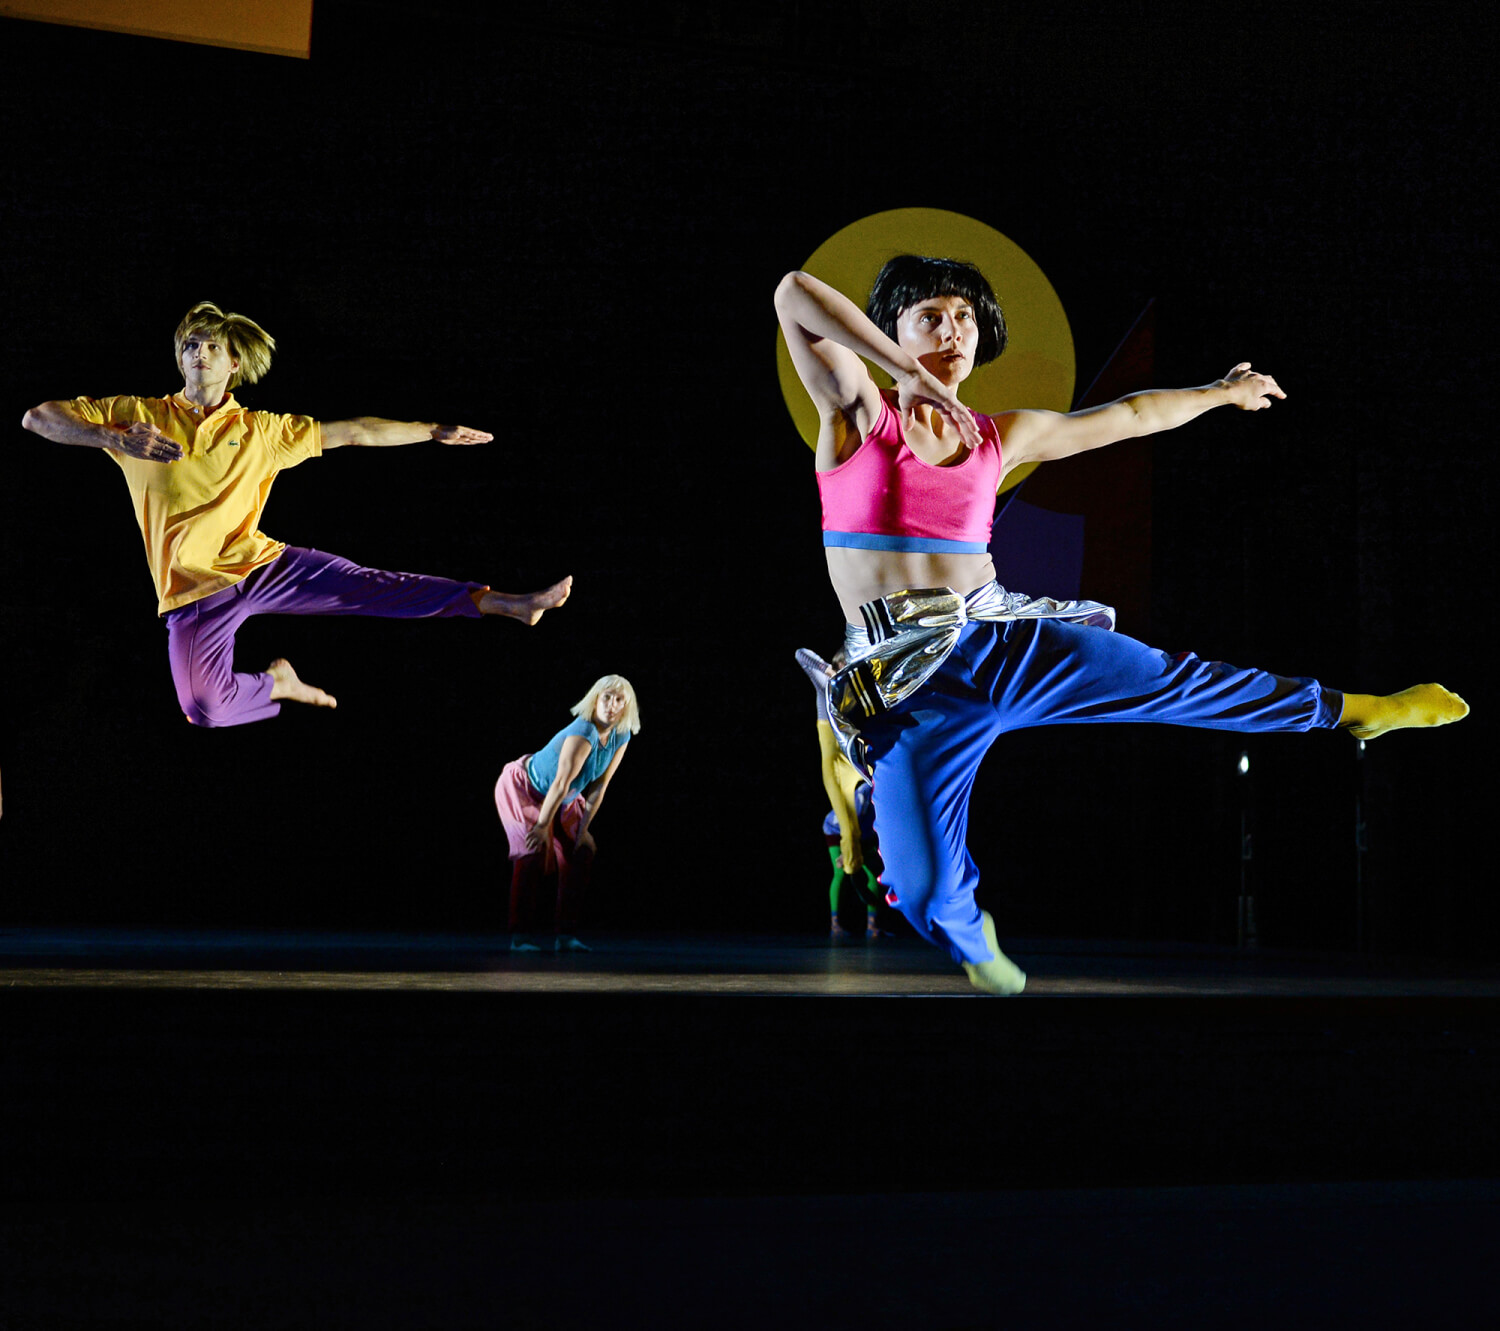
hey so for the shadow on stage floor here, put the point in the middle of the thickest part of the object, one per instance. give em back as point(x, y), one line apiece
point(388, 1130)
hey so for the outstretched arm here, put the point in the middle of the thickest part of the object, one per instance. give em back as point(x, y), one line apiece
point(61, 423)
point(373, 432)
point(1045, 436)
point(827, 334)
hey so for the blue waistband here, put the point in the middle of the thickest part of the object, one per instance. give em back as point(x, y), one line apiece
point(923, 545)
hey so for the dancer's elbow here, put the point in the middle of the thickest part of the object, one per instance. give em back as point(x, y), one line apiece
point(789, 289)
point(45, 419)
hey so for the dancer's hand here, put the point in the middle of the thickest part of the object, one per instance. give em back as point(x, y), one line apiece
point(460, 434)
point(814, 667)
point(143, 440)
point(1249, 390)
point(922, 387)
point(536, 838)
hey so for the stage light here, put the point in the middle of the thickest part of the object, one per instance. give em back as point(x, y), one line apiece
point(1244, 763)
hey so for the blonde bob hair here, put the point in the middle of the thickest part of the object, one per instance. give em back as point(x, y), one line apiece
point(247, 341)
point(631, 721)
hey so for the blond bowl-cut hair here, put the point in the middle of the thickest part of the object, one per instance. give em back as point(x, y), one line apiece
point(247, 341)
point(631, 721)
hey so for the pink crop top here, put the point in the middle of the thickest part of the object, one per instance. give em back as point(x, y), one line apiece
point(884, 497)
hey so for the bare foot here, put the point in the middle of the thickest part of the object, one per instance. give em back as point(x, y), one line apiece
point(1367, 716)
point(288, 688)
point(528, 607)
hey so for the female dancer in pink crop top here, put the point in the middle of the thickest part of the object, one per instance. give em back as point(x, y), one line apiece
point(1006, 664)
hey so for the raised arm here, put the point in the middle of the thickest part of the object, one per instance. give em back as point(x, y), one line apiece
point(1045, 436)
point(61, 423)
point(374, 432)
point(827, 334)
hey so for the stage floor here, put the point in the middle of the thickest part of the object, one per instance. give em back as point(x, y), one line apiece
point(285, 1129)
point(772, 965)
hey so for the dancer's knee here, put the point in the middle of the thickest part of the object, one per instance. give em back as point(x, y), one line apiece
point(916, 899)
point(940, 906)
point(199, 712)
point(526, 870)
point(206, 707)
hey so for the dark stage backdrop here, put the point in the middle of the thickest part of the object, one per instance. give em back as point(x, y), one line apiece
point(567, 230)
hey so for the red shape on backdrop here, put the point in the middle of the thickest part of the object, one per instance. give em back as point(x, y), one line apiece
point(1110, 488)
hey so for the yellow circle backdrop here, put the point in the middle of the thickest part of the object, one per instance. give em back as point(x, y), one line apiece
point(1037, 369)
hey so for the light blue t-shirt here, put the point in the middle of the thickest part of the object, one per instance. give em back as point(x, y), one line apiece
point(541, 771)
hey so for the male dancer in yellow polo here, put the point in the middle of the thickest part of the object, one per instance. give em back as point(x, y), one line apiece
point(199, 468)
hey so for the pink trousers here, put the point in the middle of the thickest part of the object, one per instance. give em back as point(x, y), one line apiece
point(518, 805)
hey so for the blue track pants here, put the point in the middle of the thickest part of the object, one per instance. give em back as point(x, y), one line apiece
point(1004, 676)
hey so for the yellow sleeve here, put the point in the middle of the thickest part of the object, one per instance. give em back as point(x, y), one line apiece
point(840, 781)
point(119, 412)
point(110, 410)
point(291, 439)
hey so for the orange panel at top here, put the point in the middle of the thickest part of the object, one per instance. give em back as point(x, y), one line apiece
point(276, 27)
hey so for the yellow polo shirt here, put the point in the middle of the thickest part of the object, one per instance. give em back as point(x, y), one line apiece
point(200, 516)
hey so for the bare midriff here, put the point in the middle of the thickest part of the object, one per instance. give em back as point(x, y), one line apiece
point(865, 575)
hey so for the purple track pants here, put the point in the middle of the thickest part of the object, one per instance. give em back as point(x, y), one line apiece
point(200, 636)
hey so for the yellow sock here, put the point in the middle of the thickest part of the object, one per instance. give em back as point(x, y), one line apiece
point(1367, 715)
point(999, 975)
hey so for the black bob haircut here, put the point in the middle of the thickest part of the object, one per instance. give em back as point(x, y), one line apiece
point(909, 279)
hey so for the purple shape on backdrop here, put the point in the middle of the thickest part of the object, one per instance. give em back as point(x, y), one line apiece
point(1037, 551)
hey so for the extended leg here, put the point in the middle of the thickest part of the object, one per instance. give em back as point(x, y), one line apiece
point(1065, 673)
point(313, 582)
point(926, 751)
point(528, 607)
point(1045, 672)
point(1368, 716)
point(309, 582)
